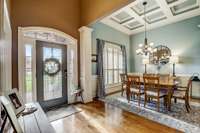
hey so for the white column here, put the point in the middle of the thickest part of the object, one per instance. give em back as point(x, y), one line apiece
point(85, 62)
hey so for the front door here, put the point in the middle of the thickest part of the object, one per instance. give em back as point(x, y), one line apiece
point(51, 72)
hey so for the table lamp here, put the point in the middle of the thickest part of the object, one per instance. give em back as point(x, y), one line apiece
point(145, 62)
point(174, 60)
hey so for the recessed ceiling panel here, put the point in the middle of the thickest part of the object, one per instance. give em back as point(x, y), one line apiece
point(185, 6)
point(130, 19)
point(139, 8)
point(134, 25)
point(158, 16)
point(122, 17)
point(171, 1)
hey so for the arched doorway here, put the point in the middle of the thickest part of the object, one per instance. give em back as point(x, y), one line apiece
point(27, 59)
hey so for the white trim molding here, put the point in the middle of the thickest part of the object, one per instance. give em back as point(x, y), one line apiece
point(5, 49)
point(72, 59)
point(86, 63)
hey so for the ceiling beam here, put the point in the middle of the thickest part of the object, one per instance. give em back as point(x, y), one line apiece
point(165, 8)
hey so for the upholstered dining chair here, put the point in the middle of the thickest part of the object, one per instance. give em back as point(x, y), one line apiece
point(152, 90)
point(165, 77)
point(150, 74)
point(183, 93)
point(134, 88)
point(123, 82)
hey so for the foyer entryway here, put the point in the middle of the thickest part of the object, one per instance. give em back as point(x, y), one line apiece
point(47, 65)
point(51, 74)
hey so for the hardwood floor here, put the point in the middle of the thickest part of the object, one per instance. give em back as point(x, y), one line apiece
point(97, 117)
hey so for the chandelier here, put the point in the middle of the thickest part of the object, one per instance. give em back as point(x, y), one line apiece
point(145, 49)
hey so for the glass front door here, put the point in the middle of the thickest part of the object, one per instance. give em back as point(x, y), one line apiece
point(51, 70)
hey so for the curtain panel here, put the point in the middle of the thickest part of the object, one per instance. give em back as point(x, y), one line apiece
point(100, 69)
point(124, 58)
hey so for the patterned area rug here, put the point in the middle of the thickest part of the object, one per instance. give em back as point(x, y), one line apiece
point(61, 112)
point(177, 118)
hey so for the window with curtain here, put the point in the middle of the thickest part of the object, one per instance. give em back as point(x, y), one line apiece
point(113, 64)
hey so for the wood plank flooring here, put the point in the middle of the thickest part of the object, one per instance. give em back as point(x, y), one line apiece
point(97, 117)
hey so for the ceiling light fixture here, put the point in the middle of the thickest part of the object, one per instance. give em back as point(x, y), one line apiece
point(145, 49)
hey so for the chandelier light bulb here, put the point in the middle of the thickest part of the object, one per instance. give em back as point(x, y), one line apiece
point(151, 44)
point(149, 48)
point(140, 45)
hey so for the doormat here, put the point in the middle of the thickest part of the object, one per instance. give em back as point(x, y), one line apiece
point(62, 112)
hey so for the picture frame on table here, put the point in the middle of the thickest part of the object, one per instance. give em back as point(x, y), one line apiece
point(8, 117)
point(16, 101)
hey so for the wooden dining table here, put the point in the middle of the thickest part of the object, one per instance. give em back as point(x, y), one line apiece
point(168, 84)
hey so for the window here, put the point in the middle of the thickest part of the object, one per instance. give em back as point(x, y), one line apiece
point(113, 64)
point(28, 73)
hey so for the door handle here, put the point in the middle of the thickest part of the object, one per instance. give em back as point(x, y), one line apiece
point(65, 73)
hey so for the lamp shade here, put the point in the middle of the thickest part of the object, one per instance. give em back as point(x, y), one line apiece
point(145, 61)
point(174, 59)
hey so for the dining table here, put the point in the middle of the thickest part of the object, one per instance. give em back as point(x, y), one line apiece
point(168, 84)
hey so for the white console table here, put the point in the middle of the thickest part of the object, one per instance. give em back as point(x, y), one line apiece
point(36, 122)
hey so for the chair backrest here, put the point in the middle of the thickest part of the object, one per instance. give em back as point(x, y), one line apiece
point(134, 81)
point(151, 83)
point(189, 86)
point(150, 75)
point(164, 77)
point(123, 77)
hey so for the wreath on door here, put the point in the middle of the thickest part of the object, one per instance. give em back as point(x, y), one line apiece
point(52, 66)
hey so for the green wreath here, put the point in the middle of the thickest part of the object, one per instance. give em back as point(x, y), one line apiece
point(52, 66)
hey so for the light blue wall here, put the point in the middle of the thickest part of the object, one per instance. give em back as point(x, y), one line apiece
point(102, 31)
point(183, 38)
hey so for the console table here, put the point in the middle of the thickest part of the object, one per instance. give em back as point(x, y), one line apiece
point(36, 122)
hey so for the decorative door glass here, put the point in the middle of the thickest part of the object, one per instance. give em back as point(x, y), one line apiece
point(52, 76)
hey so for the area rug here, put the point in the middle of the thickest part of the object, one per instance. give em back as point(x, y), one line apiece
point(61, 112)
point(177, 118)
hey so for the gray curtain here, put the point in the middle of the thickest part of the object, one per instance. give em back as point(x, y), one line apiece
point(124, 58)
point(100, 70)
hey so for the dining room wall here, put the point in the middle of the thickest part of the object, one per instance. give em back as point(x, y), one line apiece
point(102, 31)
point(183, 38)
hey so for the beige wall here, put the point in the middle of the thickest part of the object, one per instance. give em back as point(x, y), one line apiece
point(92, 10)
point(63, 15)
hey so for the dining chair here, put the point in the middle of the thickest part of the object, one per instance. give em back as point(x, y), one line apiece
point(123, 82)
point(152, 90)
point(150, 74)
point(164, 77)
point(183, 93)
point(134, 88)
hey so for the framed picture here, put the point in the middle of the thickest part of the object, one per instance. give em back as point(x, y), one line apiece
point(16, 101)
point(94, 57)
point(9, 120)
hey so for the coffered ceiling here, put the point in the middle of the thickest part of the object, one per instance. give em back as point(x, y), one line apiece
point(130, 19)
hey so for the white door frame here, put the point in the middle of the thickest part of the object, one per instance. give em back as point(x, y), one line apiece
point(5, 49)
point(72, 62)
